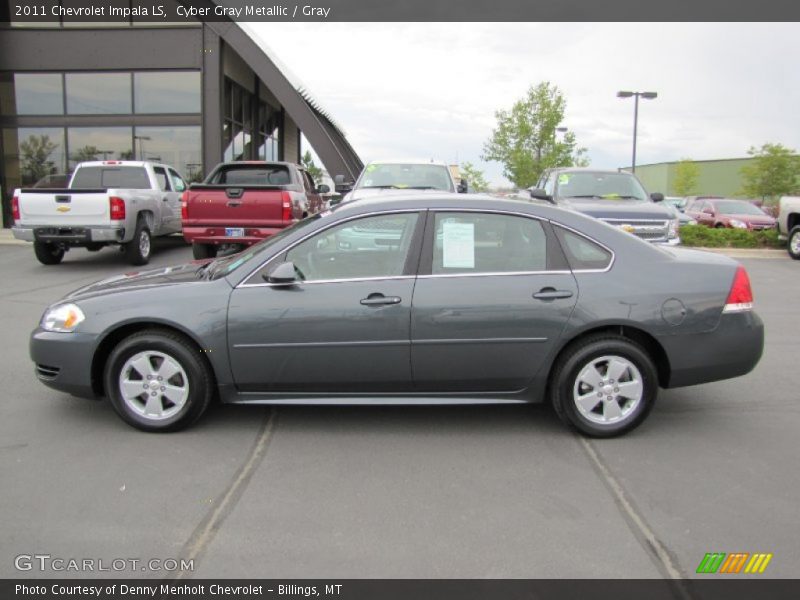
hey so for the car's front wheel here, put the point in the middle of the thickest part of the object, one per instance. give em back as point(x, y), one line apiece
point(604, 386)
point(157, 381)
point(794, 243)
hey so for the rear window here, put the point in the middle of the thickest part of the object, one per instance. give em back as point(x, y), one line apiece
point(131, 178)
point(253, 175)
point(582, 253)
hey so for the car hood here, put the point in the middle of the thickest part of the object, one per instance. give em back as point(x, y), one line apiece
point(617, 209)
point(164, 276)
point(358, 194)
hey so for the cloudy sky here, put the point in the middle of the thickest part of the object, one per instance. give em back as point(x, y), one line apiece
point(429, 90)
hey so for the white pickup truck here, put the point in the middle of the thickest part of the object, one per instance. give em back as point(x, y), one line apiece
point(789, 224)
point(107, 202)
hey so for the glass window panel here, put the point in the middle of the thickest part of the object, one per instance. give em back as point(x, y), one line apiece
point(237, 103)
point(178, 147)
point(32, 154)
point(98, 93)
point(35, 94)
point(488, 243)
point(369, 247)
point(167, 92)
point(99, 143)
point(228, 99)
point(581, 252)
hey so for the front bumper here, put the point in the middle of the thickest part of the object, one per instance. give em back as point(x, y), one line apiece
point(63, 361)
point(731, 350)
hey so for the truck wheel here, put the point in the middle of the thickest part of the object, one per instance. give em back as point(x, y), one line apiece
point(48, 254)
point(201, 251)
point(158, 381)
point(794, 242)
point(139, 248)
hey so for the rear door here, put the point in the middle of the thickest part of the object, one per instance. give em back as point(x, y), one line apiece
point(174, 200)
point(491, 301)
point(165, 199)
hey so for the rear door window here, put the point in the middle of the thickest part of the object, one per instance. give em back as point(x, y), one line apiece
point(253, 175)
point(162, 179)
point(131, 178)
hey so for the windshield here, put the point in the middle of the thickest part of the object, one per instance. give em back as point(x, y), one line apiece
point(406, 176)
point(605, 186)
point(228, 264)
point(732, 207)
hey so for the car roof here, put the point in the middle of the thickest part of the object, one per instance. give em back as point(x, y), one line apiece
point(408, 161)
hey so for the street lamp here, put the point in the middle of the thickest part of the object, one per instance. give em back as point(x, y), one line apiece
point(141, 139)
point(648, 96)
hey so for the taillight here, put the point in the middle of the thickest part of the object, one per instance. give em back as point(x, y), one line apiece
point(740, 297)
point(286, 214)
point(15, 208)
point(117, 206)
point(184, 205)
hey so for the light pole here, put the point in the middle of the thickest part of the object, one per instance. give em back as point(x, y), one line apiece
point(648, 96)
point(141, 139)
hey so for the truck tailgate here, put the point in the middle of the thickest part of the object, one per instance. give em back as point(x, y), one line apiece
point(252, 206)
point(67, 207)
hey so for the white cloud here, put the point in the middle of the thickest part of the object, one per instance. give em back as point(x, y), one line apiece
point(431, 89)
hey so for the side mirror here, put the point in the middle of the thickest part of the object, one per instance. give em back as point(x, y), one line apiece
point(539, 194)
point(463, 187)
point(323, 188)
point(283, 274)
point(657, 197)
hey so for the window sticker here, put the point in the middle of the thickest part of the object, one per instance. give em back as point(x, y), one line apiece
point(563, 179)
point(458, 251)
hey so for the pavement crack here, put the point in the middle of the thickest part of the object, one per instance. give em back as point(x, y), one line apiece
point(663, 558)
point(208, 527)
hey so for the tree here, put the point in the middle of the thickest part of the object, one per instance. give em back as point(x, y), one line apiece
point(686, 175)
point(313, 169)
point(525, 141)
point(475, 178)
point(35, 153)
point(774, 171)
point(85, 153)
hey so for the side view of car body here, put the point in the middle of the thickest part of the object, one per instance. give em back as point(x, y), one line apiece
point(726, 212)
point(435, 300)
point(789, 224)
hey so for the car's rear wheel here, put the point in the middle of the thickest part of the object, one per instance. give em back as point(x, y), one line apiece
point(201, 251)
point(157, 381)
point(47, 253)
point(604, 386)
point(139, 248)
point(794, 243)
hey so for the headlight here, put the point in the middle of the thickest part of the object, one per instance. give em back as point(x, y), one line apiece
point(738, 224)
point(62, 318)
point(673, 228)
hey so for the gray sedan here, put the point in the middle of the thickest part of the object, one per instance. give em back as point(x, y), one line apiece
point(438, 299)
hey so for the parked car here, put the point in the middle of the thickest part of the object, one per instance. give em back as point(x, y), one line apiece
point(387, 177)
point(446, 299)
point(727, 212)
point(107, 202)
point(789, 224)
point(241, 203)
point(616, 197)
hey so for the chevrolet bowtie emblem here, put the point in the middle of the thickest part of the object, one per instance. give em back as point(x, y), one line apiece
point(63, 209)
point(627, 227)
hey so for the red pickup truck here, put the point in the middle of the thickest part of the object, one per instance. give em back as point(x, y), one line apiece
point(243, 202)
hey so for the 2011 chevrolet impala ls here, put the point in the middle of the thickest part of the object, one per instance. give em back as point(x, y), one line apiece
point(436, 300)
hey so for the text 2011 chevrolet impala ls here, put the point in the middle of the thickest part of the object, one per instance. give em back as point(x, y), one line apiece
point(437, 299)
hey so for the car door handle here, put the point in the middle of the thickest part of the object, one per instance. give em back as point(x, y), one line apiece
point(234, 203)
point(549, 293)
point(380, 300)
point(165, 198)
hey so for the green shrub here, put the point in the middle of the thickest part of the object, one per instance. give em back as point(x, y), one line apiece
point(708, 237)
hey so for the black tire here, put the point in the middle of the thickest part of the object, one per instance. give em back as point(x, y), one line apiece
point(202, 251)
point(793, 243)
point(139, 249)
point(48, 254)
point(199, 380)
point(578, 357)
point(719, 226)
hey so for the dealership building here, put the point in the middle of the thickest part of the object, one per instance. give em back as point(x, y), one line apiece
point(720, 177)
point(188, 94)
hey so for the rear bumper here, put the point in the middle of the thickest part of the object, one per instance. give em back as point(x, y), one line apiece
point(731, 350)
point(216, 235)
point(69, 235)
point(63, 361)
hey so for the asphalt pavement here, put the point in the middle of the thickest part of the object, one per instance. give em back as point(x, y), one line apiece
point(393, 492)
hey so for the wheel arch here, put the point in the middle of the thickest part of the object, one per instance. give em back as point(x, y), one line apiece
point(792, 220)
point(636, 334)
point(120, 331)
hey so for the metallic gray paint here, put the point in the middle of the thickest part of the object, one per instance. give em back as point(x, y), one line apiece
point(464, 339)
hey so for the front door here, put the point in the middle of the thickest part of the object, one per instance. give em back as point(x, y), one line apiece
point(491, 306)
point(344, 326)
